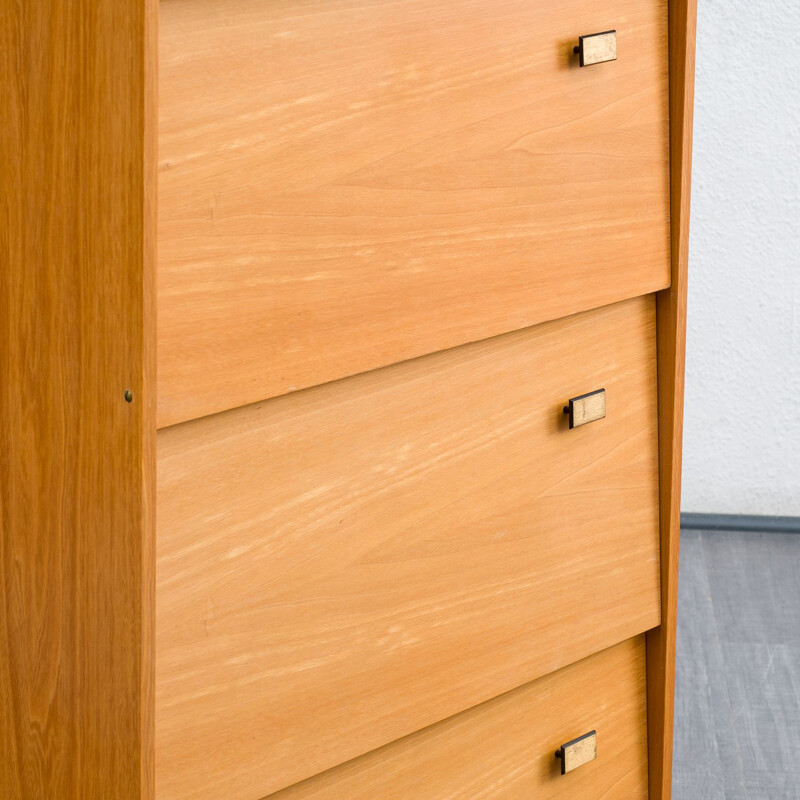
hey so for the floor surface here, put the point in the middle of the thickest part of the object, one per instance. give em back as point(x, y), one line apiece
point(737, 696)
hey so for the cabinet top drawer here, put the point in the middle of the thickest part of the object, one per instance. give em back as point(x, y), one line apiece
point(347, 185)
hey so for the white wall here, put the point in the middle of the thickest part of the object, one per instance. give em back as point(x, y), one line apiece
point(742, 423)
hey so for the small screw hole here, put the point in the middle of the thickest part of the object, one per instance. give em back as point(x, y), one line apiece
point(128, 396)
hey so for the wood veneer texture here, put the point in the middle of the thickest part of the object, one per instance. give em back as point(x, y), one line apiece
point(671, 320)
point(504, 748)
point(77, 295)
point(340, 567)
point(347, 186)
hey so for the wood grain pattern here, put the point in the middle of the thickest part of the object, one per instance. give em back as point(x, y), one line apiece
point(346, 186)
point(504, 748)
point(77, 293)
point(340, 567)
point(671, 317)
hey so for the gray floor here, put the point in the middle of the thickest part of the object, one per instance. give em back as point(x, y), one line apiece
point(737, 696)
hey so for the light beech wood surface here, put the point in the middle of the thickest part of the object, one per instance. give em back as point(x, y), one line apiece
point(347, 185)
point(342, 566)
point(505, 748)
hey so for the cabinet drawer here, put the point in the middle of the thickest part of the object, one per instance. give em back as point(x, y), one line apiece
point(340, 567)
point(504, 748)
point(347, 185)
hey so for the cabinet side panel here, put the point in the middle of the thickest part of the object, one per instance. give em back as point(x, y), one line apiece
point(671, 334)
point(76, 459)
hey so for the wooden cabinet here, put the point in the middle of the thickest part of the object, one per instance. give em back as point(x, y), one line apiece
point(297, 294)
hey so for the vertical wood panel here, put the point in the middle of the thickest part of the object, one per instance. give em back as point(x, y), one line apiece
point(77, 220)
point(671, 332)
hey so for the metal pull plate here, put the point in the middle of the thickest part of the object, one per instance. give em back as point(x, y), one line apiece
point(597, 48)
point(578, 752)
point(586, 408)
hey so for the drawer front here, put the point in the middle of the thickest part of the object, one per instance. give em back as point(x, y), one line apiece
point(505, 747)
point(347, 185)
point(343, 566)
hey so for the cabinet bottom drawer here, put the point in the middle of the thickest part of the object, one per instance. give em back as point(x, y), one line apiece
point(505, 748)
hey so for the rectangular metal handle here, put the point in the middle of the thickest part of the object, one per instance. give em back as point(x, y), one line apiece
point(596, 48)
point(586, 408)
point(578, 752)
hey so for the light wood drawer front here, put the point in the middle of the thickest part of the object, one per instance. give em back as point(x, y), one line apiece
point(347, 185)
point(340, 567)
point(504, 749)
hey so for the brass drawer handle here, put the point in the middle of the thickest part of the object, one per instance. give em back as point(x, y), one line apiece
point(586, 408)
point(578, 752)
point(597, 48)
